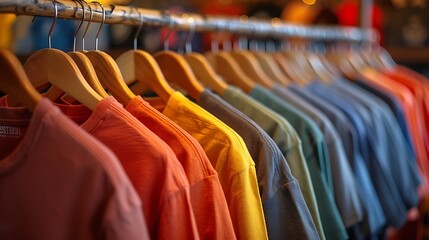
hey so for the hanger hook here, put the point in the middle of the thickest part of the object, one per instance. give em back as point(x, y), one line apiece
point(188, 45)
point(215, 41)
point(138, 30)
point(227, 44)
point(170, 30)
point(91, 15)
point(53, 23)
point(102, 23)
point(253, 45)
point(80, 25)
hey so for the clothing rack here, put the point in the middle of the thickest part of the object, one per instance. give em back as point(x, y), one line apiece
point(68, 9)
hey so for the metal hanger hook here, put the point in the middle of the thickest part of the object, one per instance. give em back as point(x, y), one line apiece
point(226, 43)
point(214, 46)
point(53, 23)
point(139, 29)
point(102, 23)
point(80, 25)
point(188, 45)
point(91, 15)
point(171, 25)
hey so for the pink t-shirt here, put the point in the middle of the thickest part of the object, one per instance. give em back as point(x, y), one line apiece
point(150, 164)
point(58, 182)
point(207, 197)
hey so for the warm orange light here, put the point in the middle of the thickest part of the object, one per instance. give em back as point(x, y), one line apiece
point(309, 2)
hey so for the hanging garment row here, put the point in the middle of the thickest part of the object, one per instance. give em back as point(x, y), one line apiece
point(222, 145)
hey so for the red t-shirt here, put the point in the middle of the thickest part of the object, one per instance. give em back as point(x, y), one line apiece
point(150, 164)
point(58, 182)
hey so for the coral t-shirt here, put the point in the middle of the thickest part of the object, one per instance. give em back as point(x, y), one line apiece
point(58, 182)
point(207, 197)
point(150, 164)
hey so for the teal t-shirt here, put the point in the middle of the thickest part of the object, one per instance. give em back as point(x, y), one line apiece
point(316, 155)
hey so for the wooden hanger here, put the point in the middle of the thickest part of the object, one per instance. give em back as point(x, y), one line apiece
point(248, 63)
point(84, 65)
point(205, 73)
point(15, 83)
point(302, 66)
point(56, 67)
point(110, 76)
point(140, 66)
point(108, 71)
point(87, 69)
point(137, 65)
point(52, 66)
point(270, 67)
point(333, 70)
point(82, 61)
point(226, 67)
point(341, 61)
point(318, 67)
point(176, 70)
point(385, 58)
point(287, 66)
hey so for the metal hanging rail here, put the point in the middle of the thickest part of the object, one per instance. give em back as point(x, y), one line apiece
point(69, 9)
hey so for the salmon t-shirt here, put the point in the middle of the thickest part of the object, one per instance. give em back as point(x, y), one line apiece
point(419, 86)
point(413, 115)
point(150, 164)
point(208, 200)
point(228, 154)
point(58, 182)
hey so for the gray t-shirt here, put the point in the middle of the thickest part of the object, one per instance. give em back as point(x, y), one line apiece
point(345, 188)
point(286, 213)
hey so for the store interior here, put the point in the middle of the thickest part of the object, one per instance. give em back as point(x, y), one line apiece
point(403, 25)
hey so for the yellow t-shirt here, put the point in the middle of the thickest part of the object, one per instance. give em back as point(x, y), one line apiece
point(229, 156)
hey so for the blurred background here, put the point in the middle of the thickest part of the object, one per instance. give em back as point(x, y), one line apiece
point(403, 25)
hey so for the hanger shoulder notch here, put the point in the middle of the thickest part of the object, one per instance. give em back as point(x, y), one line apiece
point(140, 66)
point(226, 67)
point(88, 72)
point(250, 65)
point(110, 76)
point(176, 70)
point(205, 73)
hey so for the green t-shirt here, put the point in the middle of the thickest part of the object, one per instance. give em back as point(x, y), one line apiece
point(316, 155)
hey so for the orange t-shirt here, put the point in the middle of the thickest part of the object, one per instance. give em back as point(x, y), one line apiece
point(150, 164)
point(58, 182)
point(412, 112)
point(420, 85)
point(228, 154)
point(208, 200)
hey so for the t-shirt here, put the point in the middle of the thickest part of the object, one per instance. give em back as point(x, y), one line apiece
point(412, 112)
point(345, 188)
point(374, 219)
point(229, 156)
point(208, 200)
point(58, 182)
point(287, 140)
point(150, 164)
point(393, 206)
point(286, 213)
point(419, 88)
point(316, 154)
point(393, 146)
point(394, 105)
